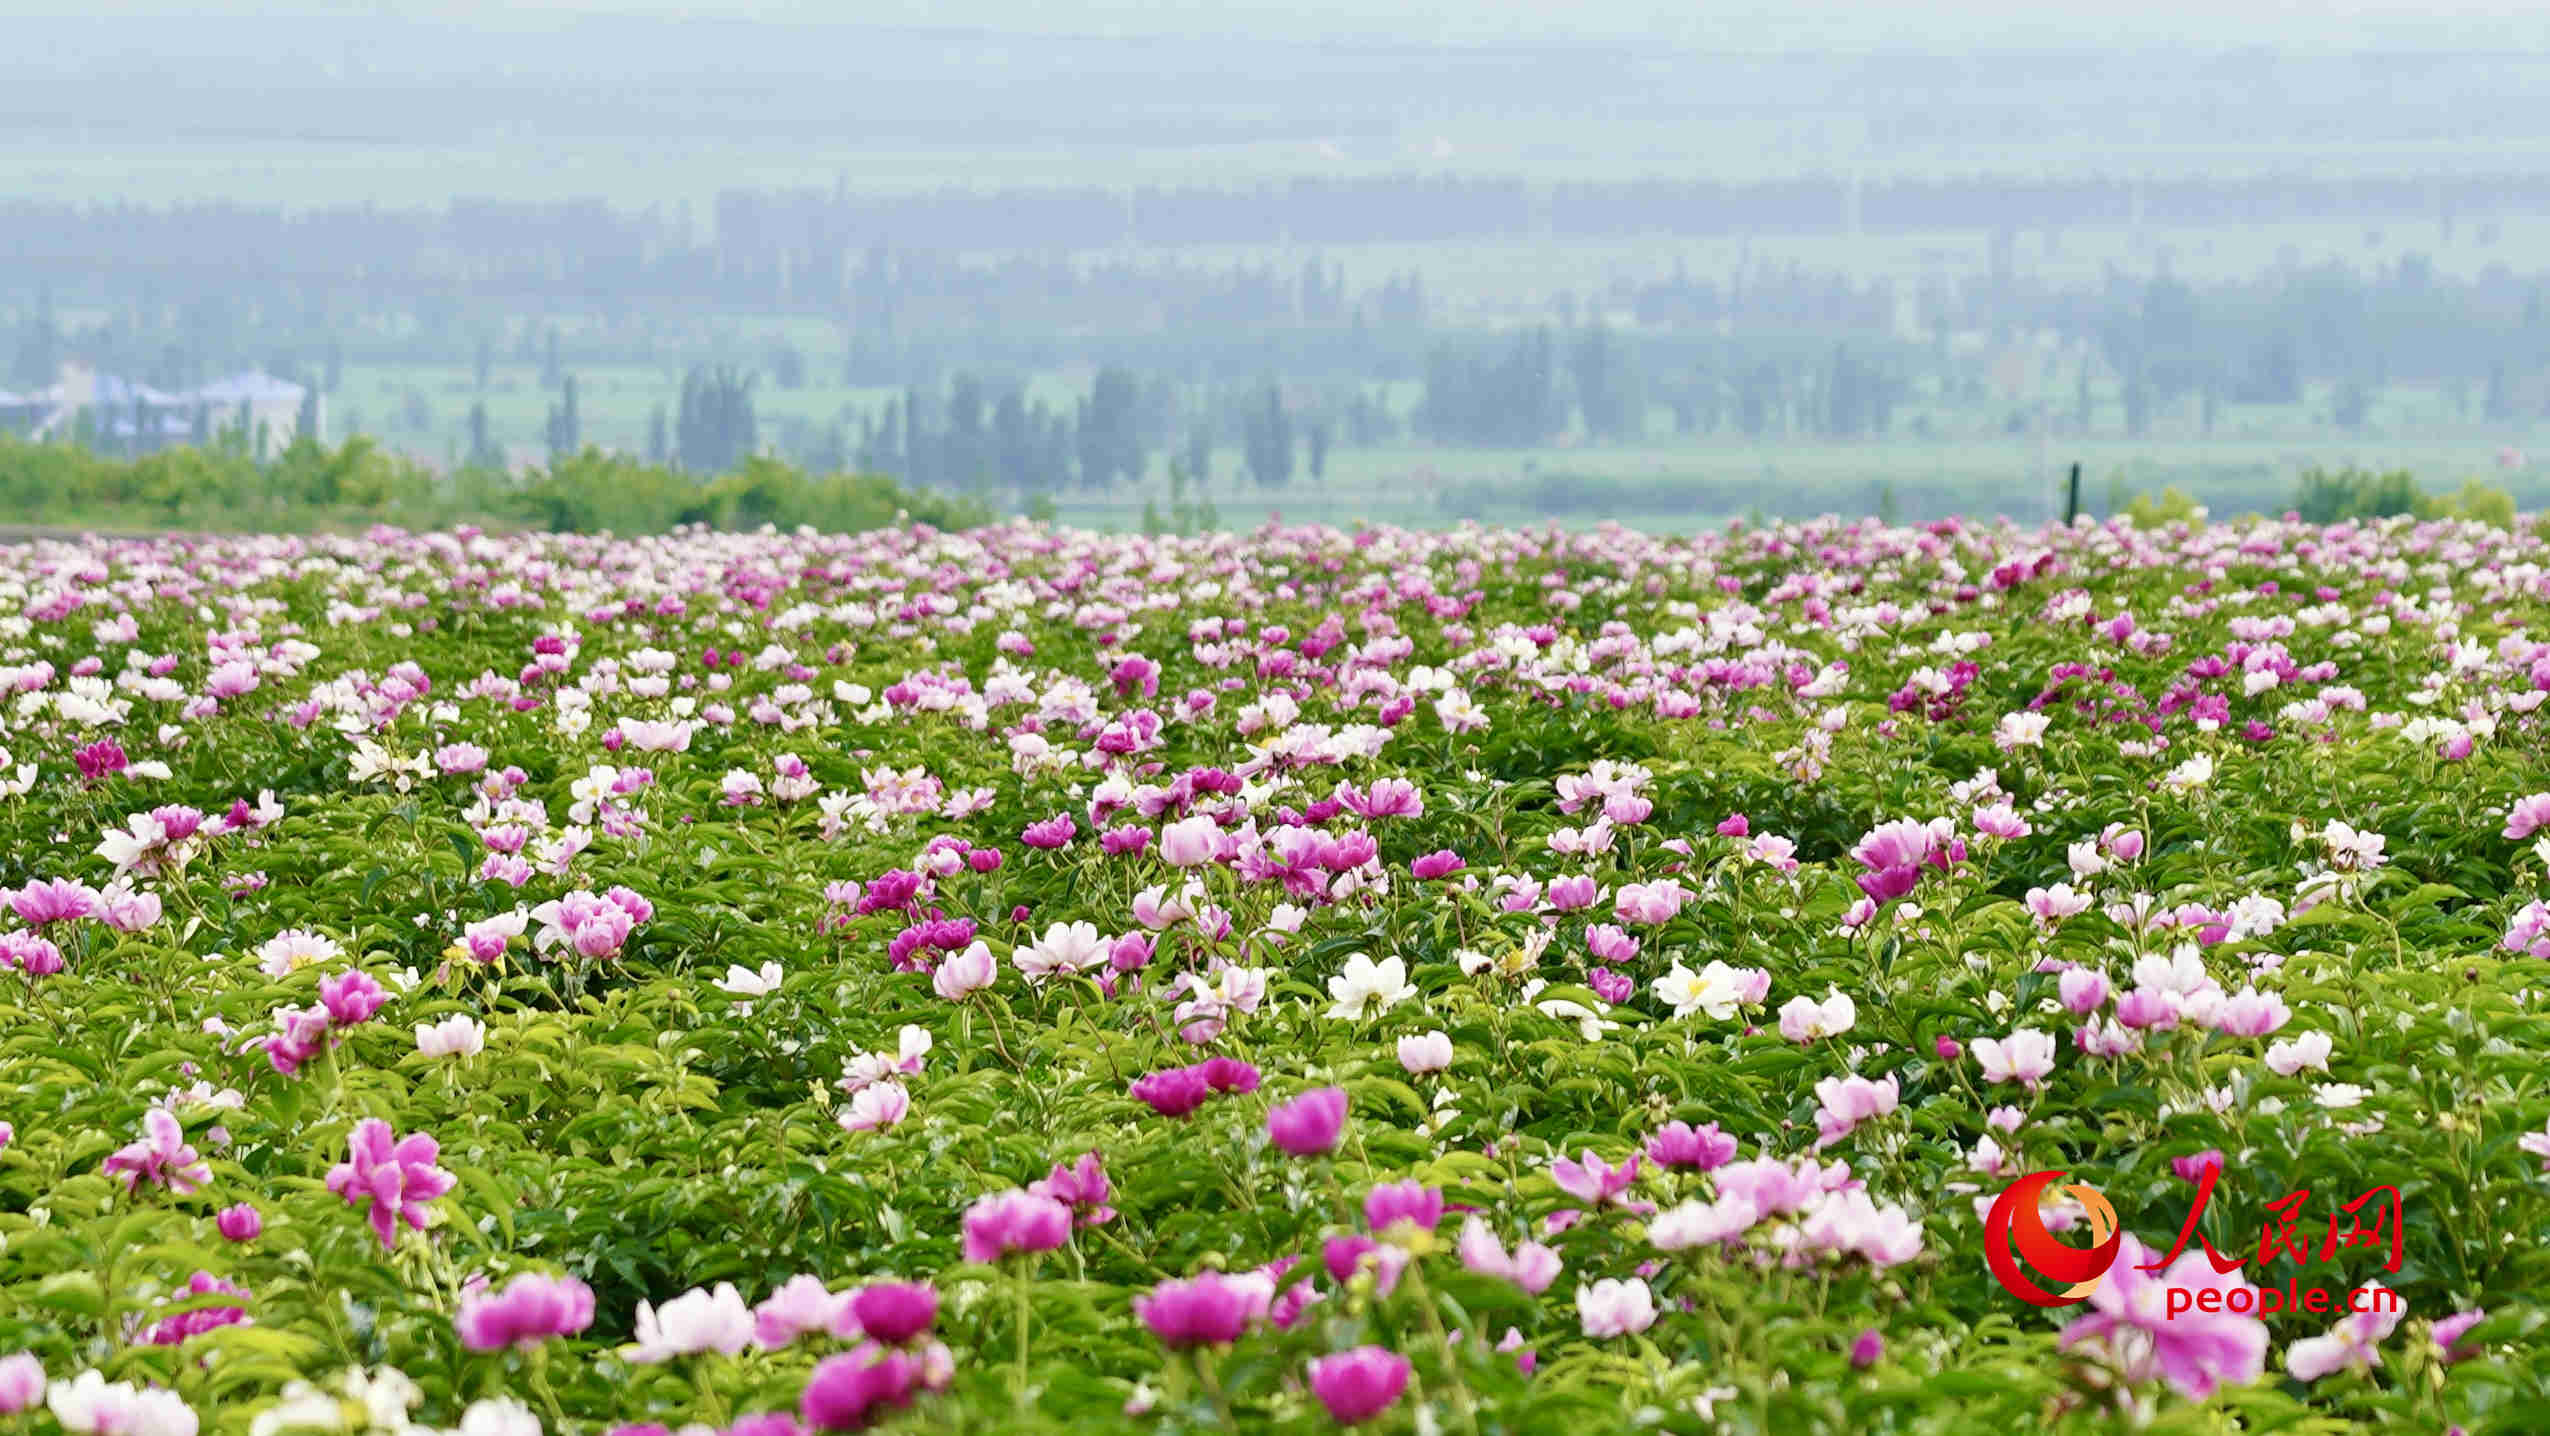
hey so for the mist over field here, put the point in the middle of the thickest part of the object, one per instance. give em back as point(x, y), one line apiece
point(1122, 263)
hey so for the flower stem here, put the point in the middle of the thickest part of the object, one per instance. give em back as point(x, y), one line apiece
point(1461, 1401)
point(1213, 1388)
point(539, 1373)
point(1025, 1279)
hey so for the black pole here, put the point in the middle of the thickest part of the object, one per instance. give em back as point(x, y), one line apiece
point(2072, 497)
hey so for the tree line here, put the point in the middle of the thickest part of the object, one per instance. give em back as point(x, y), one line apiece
point(806, 241)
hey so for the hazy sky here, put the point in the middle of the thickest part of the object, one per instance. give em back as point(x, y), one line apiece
point(1928, 25)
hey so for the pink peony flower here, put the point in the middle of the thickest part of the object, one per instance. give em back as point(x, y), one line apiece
point(2447, 1336)
point(47, 901)
point(2082, 990)
point(35, 956)
point(2196, 1350)
point(1425, 1052)
point(1191, 842)
point(1591, 1180)
point(2025, 1056)
point(2353, 1344)
point(1612, 1307)
point(1649, 903)
point(1387, 798)
point(1843, 1103)
point(530, 1309)
point(2528, 815)
point(966, 973)
point(1607, 943)
point(161, 1158)
point(1530, 1265)
point(21, 1383)
point(802, 1305)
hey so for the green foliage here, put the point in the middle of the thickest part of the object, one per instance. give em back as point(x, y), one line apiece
point(2172, 505)
point(2473, 500)
point(313, 486)
point(2352, 494)
point(2324, 496)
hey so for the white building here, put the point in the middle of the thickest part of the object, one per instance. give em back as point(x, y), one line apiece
point(129, 417)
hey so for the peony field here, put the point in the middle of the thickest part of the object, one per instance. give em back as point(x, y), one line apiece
point(1825, 977)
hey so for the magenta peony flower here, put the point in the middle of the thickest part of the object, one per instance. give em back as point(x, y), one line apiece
point(1701, 1149)
point(1309, 1125)
point(1360, 1384)
point(850, 1391)
point(1014, 1221)
point(171, 1330)
point(1392, 1205)
point(1438, 864)
point(396, 1176)
point(894, 1312)
point(1228, 1075)
point(351, 997)
point(1172, 1091)
point(1208, 1310)
point(1053, 832)
point(2193, 1168)
point(1083, 1187)
point(35, 956)
point(101, 759)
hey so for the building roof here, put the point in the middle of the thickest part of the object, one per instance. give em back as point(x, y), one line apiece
point(114, 390)
point(167, 426)
point(253, 386)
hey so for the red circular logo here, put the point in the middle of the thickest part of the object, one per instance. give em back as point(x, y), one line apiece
point(2017, 1221)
